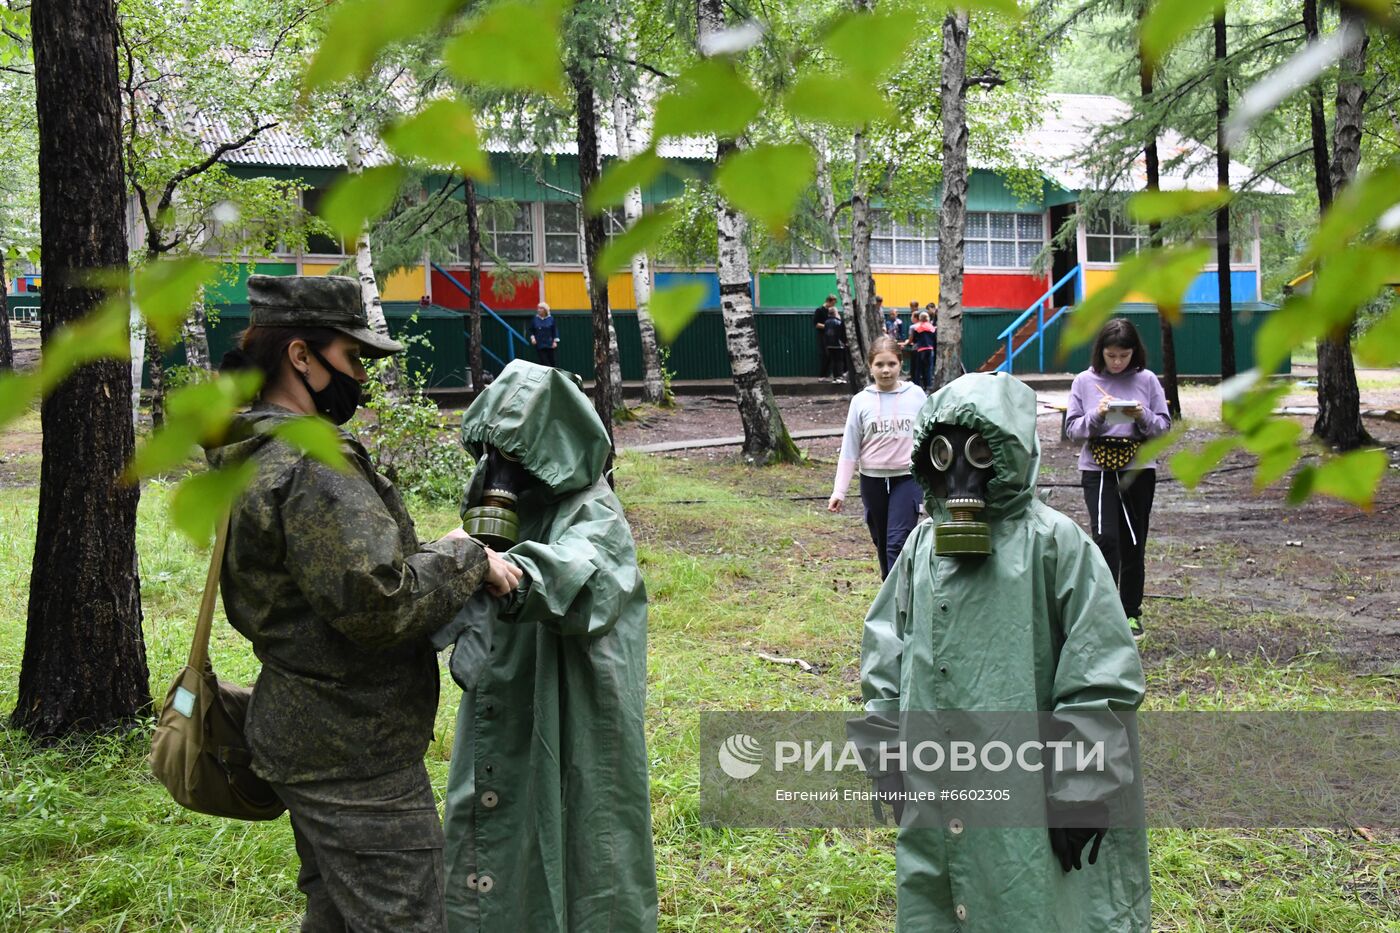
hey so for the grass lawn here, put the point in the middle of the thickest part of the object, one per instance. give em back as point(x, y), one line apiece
point(88, 841)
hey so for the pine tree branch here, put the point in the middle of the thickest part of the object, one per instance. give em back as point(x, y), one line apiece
point(624, 60)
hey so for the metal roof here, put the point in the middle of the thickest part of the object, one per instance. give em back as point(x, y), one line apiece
point(1062, 145)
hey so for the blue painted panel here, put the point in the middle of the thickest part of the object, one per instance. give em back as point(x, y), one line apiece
point(1206, 287)
point(709, 279)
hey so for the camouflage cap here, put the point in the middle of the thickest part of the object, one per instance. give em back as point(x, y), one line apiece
point(331, 301)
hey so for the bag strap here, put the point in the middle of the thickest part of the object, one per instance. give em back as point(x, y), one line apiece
point(199, 649)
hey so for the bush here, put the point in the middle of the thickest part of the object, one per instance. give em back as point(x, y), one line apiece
point(410, 441)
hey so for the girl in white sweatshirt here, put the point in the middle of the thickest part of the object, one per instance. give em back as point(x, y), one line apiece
point(879, 441)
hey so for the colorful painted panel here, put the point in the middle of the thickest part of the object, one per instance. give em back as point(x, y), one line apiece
point(621, 297)
point(1095, 279)
point(1002, 291)
point(900, 288)
point(231, 285)
point(525, 297)
point(709, 279)
point(1244, 286)
point(567, 291)
point(795, 289)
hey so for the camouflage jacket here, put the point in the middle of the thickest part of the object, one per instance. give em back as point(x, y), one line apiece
point(325, 576)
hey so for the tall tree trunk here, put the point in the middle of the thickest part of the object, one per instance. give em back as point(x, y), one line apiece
point(1338, 421)
point(606, 394)
point(766, 438)
point(84, 666)
point(474, 283)
point(952, 219)
point(1317, 119)
point(155, 362)
point(364, 271)
point(826, 193)
point(862, 319)
point(1170, 385)
point(7, 347)
point(1222, 216)
point(624, 129)
point(195, 333)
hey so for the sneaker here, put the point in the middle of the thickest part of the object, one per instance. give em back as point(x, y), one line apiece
point(1135, 626)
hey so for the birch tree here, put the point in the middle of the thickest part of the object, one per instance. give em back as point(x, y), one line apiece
point(952, 218)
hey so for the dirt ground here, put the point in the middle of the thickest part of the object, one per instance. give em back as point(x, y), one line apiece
point(1261, 577)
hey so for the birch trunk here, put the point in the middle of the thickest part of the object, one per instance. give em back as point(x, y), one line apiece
point(952, 218)
point(7, 347)
point(624, 129)
point(389, 376)
point(195, 333)
point(862, 311)
point(1338, 421)
point(826, 193)
point(766, 438)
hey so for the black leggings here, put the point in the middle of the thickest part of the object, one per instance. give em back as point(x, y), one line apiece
point(1120, 505)
point(891, 512)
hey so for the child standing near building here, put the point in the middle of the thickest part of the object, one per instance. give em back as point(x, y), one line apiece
point(835, 335)
point(924, 338)
point(878, 441)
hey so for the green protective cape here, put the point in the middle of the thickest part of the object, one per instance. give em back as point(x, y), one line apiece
point(548, 808)
point(1037, 626)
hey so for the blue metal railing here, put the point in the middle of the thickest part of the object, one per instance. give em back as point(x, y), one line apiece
point(512, 335)
point(1041, 305)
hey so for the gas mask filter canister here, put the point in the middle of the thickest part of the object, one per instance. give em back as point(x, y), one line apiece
point(962, 464)
point(494, 521)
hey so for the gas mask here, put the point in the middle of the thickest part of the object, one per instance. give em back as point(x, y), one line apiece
point(962, 467)
point(494, 522)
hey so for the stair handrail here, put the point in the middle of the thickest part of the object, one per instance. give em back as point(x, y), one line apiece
point(512, 334)
point(1040, 304)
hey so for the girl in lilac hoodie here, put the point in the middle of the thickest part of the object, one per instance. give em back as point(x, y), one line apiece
point(879, 440)
point(1119, 499)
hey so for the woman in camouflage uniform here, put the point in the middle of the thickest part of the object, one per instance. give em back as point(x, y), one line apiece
point(324, 574)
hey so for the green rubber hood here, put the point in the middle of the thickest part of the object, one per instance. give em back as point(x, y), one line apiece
point(1000, 407)
point(540, 416)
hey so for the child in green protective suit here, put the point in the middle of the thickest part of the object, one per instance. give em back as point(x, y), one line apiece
point(548, 818)
point(998, 602)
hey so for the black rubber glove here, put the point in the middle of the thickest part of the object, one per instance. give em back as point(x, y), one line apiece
point(889, 789)
point(1073, 828)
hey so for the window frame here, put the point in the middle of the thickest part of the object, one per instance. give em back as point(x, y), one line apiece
point(1017, 239)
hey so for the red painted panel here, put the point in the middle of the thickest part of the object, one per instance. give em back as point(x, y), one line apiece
point(985, 290)
point(526, 296)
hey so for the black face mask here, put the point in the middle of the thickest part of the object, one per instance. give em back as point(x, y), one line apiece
point(962, 468)
point(494, 522)
point(341, 396)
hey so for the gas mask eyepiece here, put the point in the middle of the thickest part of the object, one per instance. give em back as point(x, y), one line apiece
point(494, 521)
point(962, 466)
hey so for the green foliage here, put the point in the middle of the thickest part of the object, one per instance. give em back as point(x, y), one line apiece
point(640, 236)
point(1157, 206)
point(622, 176)
point(358, 32)
point(840, 100)
point(409, 441)
point(1170, 20)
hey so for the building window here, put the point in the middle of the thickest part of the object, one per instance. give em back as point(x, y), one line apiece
point(1000, 240)
point(906, 241)
point(563, 240)
point(1112, 239)
point(1241, 247)
point(508, 231)
point(321, 244)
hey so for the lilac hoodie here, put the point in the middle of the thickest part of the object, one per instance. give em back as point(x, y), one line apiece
point(1083, 421)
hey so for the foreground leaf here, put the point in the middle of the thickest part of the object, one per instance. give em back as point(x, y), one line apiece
point(767, 181)
point(514, 46)
point(442, 134)
point(1191, 466)
point(870, 45)
point(361, 29)
point(640, 236)
point(619, 178)
point(201, 499)
point(709, 99)
point(838, 100)
point(1169, 21)
point(357, 199)
point(317, 437)
point(166, 290)
point(1352, 477)
point(1157, 206)
point(672, 309)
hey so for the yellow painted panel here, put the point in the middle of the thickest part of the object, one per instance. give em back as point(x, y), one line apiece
point(900, 288)
point(620, 294)
point(565, 291)
point(404, 285)
point(1095, 279)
